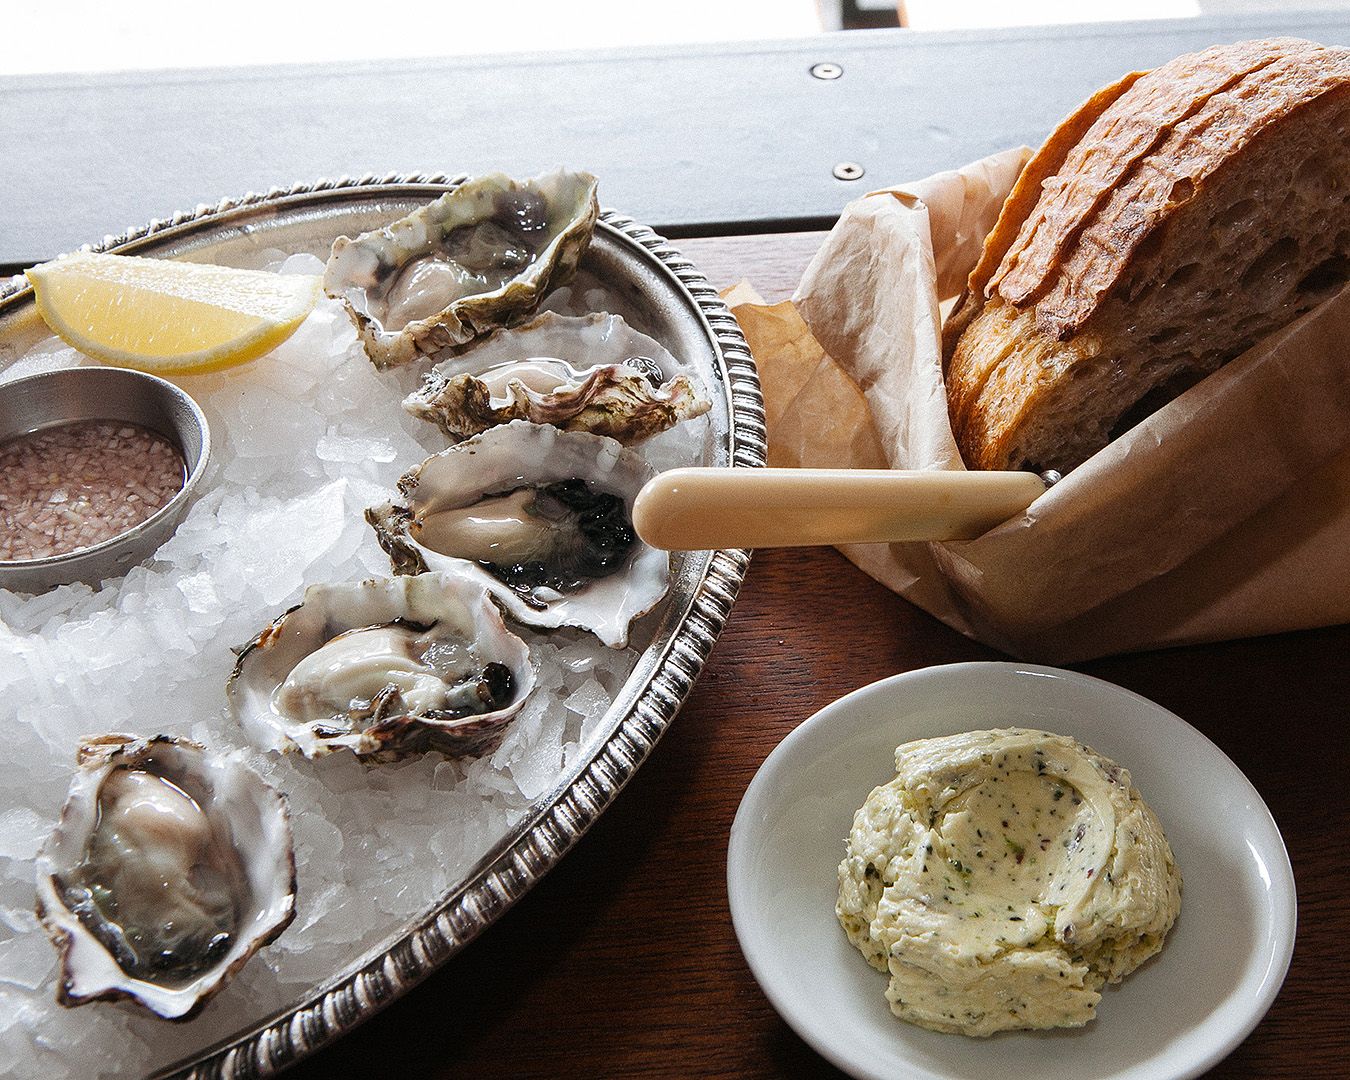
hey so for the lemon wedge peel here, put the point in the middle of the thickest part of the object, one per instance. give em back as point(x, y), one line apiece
point(169, 317)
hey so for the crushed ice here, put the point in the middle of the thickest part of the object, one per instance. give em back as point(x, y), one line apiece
point(304, 439)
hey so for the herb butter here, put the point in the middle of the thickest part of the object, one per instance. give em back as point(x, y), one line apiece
point(1002, 878)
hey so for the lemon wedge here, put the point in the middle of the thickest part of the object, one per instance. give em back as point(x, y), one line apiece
point(168, 317)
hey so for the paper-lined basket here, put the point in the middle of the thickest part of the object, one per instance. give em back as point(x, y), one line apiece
point(1225, 514)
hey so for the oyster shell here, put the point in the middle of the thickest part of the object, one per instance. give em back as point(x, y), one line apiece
point(542, 517)
point(585, 373)
point(384, 668)
point(480, 257)
point(170, 867)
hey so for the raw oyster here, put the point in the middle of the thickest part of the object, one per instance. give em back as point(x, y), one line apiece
point(384, 668)
point(542, 517)
point(480, 257)
point(170, 867)
point(586, 373)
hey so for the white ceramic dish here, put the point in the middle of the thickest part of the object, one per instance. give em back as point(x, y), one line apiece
point(1224, 960)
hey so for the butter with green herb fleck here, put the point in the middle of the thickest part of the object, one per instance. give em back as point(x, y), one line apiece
point(1002, 878)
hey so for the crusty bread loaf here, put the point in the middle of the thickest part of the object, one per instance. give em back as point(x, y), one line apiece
point(1171, 222)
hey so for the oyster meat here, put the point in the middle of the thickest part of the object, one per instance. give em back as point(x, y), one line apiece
point(170, 867)
point(542, 517)
point(581, 373)
point(384, 668)
point(482, 256)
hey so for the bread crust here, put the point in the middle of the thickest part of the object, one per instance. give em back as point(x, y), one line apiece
point(1022, 200)
point(1053, 346)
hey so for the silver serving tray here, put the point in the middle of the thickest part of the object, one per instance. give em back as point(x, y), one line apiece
point(668, 299)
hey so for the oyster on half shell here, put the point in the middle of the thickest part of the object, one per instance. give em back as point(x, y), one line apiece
point(384, 668)
point(580, 373)
point(170, 867)
point(542, 517)
point(480, 257)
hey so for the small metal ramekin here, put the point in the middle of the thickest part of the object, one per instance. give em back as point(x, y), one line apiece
point(70, 395)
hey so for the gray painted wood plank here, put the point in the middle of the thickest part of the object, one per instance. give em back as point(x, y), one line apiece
point(688, 139)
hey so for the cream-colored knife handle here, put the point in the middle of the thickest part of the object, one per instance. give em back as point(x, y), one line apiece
point(707, 509)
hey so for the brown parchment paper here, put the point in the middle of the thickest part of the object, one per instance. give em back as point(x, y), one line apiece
point(1225, 514)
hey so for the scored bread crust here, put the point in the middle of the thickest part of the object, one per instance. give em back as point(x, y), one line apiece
point(1198, 208)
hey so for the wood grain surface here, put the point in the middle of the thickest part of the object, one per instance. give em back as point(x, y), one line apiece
point(622, 962)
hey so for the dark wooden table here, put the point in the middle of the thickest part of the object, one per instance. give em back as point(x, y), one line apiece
point(623, 962)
